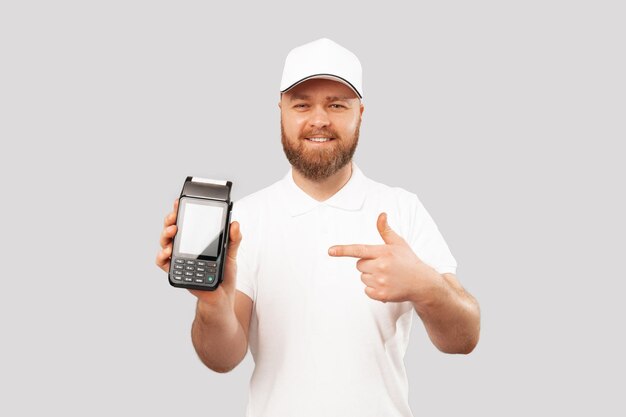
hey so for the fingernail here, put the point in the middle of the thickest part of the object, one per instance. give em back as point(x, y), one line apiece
point(332, 251)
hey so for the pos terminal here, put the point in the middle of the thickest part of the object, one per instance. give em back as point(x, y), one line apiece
point(201, 240)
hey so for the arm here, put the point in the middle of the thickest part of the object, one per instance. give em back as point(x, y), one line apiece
point(450, 314)
point(219, 331)
point(220, 335)
point(393, 272)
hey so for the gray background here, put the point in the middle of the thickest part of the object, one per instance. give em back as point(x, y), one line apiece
point(506, 118)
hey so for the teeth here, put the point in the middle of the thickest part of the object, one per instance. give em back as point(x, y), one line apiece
point(318, 139)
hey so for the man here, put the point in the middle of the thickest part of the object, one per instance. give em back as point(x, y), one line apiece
point(323, 286)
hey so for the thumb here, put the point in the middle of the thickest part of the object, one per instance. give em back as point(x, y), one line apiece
point(234, 240)
point(386, 232)
point(230, 267)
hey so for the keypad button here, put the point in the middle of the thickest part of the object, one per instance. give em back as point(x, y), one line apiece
point(210, 279)
point(200, 269)
point(178, 272)
point(199, 274)
point(211, 270)
point(190, 262)
point(211, 264)
point(188, 279)
point(179, 261)
point(178, 267)
point(199, 280)
point(188, 274)
point(190, 268)
point(201, 263)
point(177, 278)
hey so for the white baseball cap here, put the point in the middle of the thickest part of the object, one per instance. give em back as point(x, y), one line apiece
point(322, 58)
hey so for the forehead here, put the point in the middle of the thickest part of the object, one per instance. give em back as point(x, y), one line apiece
point(320, 88)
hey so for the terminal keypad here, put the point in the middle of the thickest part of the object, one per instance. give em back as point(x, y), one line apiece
point(193, 270)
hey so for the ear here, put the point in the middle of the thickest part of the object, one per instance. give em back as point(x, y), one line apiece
point(362, 108)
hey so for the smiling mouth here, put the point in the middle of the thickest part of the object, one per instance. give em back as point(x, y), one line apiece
point(319, 140)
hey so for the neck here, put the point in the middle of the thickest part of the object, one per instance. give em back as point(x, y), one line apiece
point(323, 190)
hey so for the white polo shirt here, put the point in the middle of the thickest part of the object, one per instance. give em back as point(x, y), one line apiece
point(321, 346)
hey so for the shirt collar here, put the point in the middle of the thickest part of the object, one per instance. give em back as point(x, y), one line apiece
point(349, 197)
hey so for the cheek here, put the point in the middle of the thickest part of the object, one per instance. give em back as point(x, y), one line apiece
point(350, 124)
point(293, 126)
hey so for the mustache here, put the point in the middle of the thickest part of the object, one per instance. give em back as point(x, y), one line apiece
point(321, 133)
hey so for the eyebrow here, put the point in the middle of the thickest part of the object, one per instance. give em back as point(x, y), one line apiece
point(328, 98)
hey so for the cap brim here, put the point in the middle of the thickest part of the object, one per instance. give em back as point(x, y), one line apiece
point(326, 77)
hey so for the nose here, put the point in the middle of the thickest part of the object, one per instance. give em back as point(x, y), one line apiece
point(319, 117)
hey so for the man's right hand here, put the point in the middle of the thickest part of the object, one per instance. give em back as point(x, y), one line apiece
point(224, 296)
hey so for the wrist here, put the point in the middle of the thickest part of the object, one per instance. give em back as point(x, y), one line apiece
point(432, 291)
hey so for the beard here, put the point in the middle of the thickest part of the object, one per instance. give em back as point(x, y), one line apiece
point(319, 162)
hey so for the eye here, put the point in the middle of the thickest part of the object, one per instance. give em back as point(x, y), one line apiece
point(338, 106)
point(300, 105)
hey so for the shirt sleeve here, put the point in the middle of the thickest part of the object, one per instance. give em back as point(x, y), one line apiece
point(246, 276)
point(427, 242)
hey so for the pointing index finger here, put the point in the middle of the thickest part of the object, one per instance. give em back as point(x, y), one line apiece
point(356, 251)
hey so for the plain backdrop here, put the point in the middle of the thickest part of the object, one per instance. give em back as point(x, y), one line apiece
point(507, 119)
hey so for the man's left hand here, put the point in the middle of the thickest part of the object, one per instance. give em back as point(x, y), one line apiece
point(391, 272)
